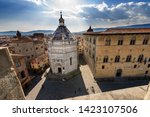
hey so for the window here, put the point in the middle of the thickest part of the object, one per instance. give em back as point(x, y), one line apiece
point(90, 39)
point(146, 72)
point(105, 60)
point(26, 50)
point(70, 60)
point(117, 59)
point(148, 65)
point(94, 41)
point(103, 67)
point(107, 42)
point(145, 60)
point(36, 48)
point(145, 41)
point(140, 59)
point(128, 59)
point(133, 40)
point(135, 66)
point(28, 57)
point(17, 62)
point(120, 41)
point(93, 56)
point(22, 74)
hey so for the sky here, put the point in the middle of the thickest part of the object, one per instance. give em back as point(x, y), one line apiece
point(27, 15)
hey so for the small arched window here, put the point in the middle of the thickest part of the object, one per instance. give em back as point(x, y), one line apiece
point(128, 59)
point(108, 42)
point(145, 41)
point(140, 58)
point(133, 40)
point(117, 58)
point(120, 41)
point(105, 60)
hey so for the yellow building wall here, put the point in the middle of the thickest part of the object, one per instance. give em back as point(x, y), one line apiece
point(113, 50)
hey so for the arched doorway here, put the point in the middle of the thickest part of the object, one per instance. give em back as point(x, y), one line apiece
point(119, 73)
point(59, 70)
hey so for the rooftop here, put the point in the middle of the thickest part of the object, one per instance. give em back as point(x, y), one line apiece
point(134, 93)
point(121, 31)
point(62, 32)
point(22, 40)
point(17, 56)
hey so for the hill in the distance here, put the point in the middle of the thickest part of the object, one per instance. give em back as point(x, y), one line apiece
point(130, 26)
point(12, 33)
point(46, 32)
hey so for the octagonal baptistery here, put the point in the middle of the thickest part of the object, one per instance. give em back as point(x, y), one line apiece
point(62, 50)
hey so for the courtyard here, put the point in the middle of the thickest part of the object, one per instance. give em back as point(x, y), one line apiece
point(44, 88)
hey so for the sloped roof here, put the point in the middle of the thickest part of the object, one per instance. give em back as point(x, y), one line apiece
point(128, 30)
point(121, 31)
point(22, 40)
point(17, 56)
point(62, 33)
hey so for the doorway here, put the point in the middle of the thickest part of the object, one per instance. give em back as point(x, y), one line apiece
point(119, 73)
point(22, 74)
point(59, 70)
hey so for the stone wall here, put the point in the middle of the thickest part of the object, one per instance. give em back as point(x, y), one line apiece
point(60, 53)
point(95, 50)
point(10, 87)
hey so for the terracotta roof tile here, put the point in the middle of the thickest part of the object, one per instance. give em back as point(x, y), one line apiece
point(17, 56)
point(121, 31)
point(22, 40)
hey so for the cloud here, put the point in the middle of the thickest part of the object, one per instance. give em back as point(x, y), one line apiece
point(38, 2)
point(78, 14)
point(122, 13)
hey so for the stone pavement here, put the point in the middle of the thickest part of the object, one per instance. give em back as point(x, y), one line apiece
point(49, 89)
point(89, 81)
point(134, 93)
point(147, 96)
point(84, 87)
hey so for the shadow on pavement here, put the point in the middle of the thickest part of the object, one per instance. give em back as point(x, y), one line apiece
point(56, 90)
point(32, 84)
point(109, 86)
point(81, 60)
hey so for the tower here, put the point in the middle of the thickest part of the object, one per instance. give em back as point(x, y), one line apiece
point(62, 50)
point(61, 20)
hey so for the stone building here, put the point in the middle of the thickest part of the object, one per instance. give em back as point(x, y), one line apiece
point(118, 53)
point(10, 87)
point(62, 50)
point(27, 46)
point(80, 47)
point(40, 63)
point(21, 69)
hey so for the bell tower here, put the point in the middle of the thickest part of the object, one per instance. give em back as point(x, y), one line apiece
point(61, 20)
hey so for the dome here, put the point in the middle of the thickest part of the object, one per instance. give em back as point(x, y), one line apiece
point(62, 32)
